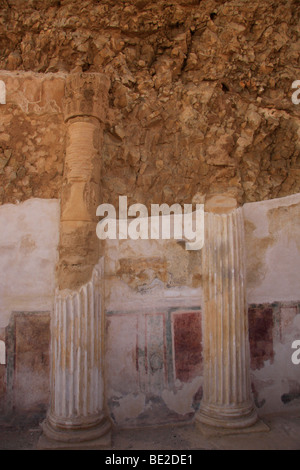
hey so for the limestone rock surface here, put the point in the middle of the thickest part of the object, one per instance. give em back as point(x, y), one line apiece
point(200, 97)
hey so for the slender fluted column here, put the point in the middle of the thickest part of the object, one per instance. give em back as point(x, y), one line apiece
point(226, 399)
point(76, 416)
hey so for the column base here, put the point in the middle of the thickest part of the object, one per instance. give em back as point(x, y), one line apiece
point(226, 417)
point(63, 438)
point(212, 431)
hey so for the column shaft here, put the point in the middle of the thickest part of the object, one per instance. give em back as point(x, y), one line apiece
point(79, 245)
point(77, 409)
point(77, 382)
point(226, 394)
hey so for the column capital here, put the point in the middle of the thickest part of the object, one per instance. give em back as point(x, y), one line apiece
point(86, 94)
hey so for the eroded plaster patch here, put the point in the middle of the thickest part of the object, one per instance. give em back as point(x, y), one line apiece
point(276, 385)
point(273, 249)
point(130, 407)
point(181, 401)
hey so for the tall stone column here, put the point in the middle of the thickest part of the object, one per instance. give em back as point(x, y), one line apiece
point(226, 399)
point(77, 417)
point(85, 107)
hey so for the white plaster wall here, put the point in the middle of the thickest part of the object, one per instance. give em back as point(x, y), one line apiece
point(276, 278)
point(280, 377)
point(28, 254)
point(273, 272)
point(151, 296)
point(278, 275)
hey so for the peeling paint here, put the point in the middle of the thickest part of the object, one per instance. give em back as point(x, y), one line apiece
point(273, 249)
point(129, 407)
point(276, 385)
point(181, 401)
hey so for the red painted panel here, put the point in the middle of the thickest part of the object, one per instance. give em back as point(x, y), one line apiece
point(187, 345)
point(261, 335)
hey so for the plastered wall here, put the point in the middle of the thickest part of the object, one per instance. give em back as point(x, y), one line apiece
point(153, 305)
point(28, 254)
point(273, 288)
point(273, 245)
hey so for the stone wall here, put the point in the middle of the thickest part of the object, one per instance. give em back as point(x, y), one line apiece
point(200, 96)
point(32, 137)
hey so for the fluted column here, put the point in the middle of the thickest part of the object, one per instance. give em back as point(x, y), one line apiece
point(226, 399)
point(76, 416)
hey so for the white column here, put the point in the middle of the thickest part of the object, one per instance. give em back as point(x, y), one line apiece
point(77, 413)
point(226, 399)
point(77, 383)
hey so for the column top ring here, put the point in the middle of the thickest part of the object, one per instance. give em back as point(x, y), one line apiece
point(86, 94)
